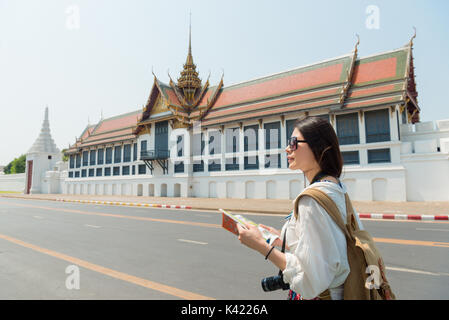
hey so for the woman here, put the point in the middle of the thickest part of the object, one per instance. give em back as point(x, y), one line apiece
point(316, 259)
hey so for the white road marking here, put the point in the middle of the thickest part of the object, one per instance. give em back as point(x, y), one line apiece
point(191, 241)
point(91, 226)
point(425, 229)
point(414, 271)
point(38, 217)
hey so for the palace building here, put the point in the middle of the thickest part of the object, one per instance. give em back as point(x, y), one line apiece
point(192, 139)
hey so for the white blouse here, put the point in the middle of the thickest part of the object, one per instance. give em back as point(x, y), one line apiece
point(317, 258)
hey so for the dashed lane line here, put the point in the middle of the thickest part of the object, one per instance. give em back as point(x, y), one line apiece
point(428, 229)
point(192, 241)
point(417, 271)
point(92, 226)
point(211, 225)
point(413, 242)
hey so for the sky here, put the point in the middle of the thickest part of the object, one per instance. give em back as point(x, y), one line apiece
point(86, 58)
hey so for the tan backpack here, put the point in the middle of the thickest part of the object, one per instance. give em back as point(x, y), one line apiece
point(367, 270)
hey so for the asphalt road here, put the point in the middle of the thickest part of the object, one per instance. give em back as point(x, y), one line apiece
point(49, 248)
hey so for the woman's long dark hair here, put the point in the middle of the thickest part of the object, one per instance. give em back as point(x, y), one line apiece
point(323, 142)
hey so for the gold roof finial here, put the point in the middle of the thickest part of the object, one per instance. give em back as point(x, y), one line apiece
point(413, 37)
point(189, 60)
point(152, 71)
point(357, 44)
point(189, 55)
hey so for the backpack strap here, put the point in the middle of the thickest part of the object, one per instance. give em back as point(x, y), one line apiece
point(329, 205)
point(325, 295)
point(350, 216)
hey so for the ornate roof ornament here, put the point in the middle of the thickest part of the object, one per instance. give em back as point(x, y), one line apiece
point(187, 100)
point(344, 92)
point(152, 71)
point(411, 94)
point(357, 44)
point(189, 83)
point(413, 37)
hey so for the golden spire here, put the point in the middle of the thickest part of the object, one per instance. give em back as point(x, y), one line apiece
point(189, 81)
point(189, 54)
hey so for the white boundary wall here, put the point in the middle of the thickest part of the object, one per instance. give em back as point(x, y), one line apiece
point(373, 184)
point(12, 182)
point(425, 156)
point(419, 171)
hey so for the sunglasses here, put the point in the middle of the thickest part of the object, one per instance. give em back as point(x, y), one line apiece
point(293, 143)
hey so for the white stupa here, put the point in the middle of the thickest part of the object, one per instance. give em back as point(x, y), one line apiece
point(44, 143)
point(42, 157)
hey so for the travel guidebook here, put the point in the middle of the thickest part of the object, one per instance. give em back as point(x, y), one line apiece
point(230, 222)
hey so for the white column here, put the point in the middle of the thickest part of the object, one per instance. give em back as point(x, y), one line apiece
point(157, 189)
point(170, 190)
point(283, 143)
point(185, 190)
point(362, 132)
point(363, 153)
point(223, 150)
point(206, 151)
point(223, 145)
point(394, 123)
point(261, 147)
point(241, 150)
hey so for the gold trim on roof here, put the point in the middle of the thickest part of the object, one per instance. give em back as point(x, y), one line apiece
point(345, 89)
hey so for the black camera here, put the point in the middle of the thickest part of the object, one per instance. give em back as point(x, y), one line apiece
point(274, 283)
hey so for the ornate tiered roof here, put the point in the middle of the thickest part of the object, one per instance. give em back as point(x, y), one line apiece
point(343, 83)
point(334, 85)
point(114, 129)
point(185, 100)
point(188, 82)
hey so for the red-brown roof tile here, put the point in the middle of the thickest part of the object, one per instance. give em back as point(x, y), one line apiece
point(295, 82)
point(375, 70)
point(122, 121)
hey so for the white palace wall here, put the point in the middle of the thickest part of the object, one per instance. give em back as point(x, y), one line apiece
point(425, 156)
point(418, 171)
point(375, 184)
point(12, 182)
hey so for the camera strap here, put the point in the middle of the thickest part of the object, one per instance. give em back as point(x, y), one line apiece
point(283, 247)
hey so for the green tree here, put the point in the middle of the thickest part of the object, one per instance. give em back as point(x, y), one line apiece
point(19, 164)
point(65, 157)
point(7, 169)
point(16, 166)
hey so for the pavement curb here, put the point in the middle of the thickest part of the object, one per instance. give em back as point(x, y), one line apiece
point(383, 216)
point(361, 215)
point(423, 217)
point(134, 204)
point(130, 204)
